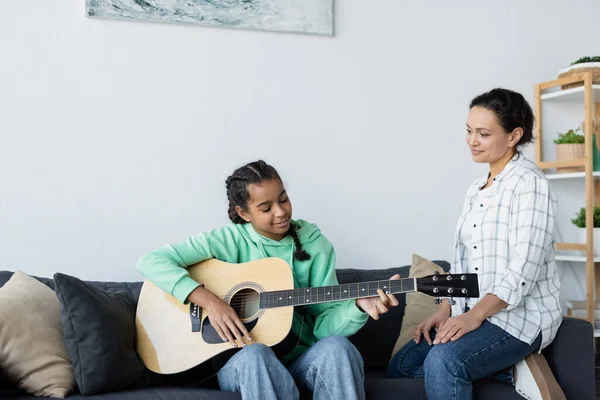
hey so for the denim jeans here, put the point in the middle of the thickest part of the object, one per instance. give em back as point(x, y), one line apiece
point(449, 368)
point(332, 368)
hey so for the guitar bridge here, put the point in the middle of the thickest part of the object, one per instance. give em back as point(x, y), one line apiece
point(195, 314)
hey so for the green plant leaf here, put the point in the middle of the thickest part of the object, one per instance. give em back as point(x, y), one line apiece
point(572, 136)
point(579, 219)
point(586, 60)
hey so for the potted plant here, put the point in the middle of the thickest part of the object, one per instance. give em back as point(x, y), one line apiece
point(579, 221)
point(584, 64)
point(569, 146)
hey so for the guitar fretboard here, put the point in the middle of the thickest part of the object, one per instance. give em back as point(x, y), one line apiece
point(313, 295)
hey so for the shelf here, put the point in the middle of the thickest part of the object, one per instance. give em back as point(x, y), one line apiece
point(571, 175)
point(582, 259)
point(574, 94)
point(570, 246)
point(577, 162)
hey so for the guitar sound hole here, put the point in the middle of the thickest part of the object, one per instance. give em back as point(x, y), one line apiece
point(246, 304)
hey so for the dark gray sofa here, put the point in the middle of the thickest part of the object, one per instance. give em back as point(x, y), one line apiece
point(571, 356)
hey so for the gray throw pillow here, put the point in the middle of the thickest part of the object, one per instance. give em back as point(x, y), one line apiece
point(99, 335)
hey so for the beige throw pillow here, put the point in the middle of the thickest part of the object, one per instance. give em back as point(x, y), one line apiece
point(418, 305)
point(32, 352)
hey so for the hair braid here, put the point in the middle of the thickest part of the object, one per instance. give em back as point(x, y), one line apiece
point(300, 254)
point(233, 215)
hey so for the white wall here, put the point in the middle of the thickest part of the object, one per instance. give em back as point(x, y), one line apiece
point(116, 137)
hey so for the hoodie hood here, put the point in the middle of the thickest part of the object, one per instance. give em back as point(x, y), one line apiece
point(307, 233)
point(284, 248)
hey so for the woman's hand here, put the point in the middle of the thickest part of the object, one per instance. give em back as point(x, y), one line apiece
point(457, 327)
point(222, 317)
point(437, 320)
point(376, 306)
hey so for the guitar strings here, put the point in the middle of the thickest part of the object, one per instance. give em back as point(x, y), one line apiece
point(240, 299)
point(244, 298)
point(319, 287)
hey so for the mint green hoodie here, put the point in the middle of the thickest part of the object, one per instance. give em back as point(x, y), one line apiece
point(239, 243)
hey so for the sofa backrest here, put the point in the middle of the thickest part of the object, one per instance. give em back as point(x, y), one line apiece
point(375, 341)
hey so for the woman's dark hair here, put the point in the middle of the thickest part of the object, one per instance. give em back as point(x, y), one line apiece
point(238, 195)
point(511, 109)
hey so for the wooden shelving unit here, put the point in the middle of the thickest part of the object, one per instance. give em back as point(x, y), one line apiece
point(551, 91)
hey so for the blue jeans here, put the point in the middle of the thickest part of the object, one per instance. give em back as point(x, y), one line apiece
point(450, 368)
point(332, 368)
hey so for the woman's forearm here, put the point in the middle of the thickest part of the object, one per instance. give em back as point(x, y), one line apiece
point(488, 306)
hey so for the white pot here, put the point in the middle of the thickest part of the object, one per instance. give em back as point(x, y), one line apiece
point(579, 66)
point(582, 239)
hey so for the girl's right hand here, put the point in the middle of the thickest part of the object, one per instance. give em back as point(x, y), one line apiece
point(435, 321)
point(222, 317)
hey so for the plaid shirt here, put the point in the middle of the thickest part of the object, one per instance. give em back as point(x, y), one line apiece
point(513, 251)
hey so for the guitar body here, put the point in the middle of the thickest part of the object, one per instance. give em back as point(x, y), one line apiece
point(166, 340)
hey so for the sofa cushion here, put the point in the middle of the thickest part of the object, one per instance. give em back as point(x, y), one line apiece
point(157, 393)
point(6, 275)
point(376, 353)
point(99, 334)
point(32, 353)
point(379, 387)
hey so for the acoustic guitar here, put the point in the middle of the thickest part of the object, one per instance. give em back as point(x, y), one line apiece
point(173, 337)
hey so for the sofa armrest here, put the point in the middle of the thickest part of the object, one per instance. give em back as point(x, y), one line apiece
point(571, 358)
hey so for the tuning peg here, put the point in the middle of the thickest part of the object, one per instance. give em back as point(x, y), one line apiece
point(451, 301)
point(438, 300)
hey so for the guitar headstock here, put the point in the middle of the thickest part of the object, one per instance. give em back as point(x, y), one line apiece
point(450, 285)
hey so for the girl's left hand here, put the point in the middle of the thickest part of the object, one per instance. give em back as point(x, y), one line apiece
point(457, 327)
point(375, 306)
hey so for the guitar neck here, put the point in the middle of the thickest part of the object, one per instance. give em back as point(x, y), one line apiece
point(323, 294)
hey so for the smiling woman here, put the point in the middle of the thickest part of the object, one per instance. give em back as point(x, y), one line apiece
point(306, 16)
point(505, 235)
